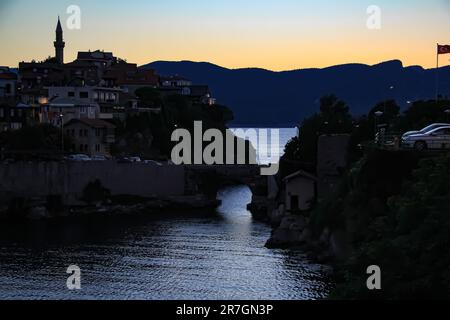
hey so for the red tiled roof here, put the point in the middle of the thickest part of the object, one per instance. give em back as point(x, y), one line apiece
point(8, 76)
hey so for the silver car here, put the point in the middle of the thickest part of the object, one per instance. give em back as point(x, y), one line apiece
point(426, 129)
point(438, 138)
point(99, 158)
point(78, 157)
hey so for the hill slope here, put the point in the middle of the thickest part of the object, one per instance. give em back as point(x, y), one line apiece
point(261, 97)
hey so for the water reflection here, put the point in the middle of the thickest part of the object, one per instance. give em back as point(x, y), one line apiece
point(179, 256)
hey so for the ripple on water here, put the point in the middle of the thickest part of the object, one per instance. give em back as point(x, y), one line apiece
point(215, 256)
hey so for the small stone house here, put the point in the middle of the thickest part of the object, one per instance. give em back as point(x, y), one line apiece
point(91, 136)
point(301, 191)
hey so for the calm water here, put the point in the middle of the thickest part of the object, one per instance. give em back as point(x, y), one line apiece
point(263, 147)
point(198, 256)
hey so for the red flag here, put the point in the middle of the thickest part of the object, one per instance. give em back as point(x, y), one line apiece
point(443, 49)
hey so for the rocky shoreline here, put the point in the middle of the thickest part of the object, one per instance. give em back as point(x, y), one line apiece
point(32, 210)
point(295, 231)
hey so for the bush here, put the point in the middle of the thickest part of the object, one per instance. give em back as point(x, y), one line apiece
point(409, 240)
point(95, 192)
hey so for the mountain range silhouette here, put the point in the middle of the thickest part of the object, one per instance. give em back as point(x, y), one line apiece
point(260, 97)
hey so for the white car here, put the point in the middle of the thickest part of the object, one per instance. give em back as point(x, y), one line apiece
point(438, 138)
point(426, 129)
point(78, 157)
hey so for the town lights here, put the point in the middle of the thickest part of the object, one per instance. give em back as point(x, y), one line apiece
point(42, 100)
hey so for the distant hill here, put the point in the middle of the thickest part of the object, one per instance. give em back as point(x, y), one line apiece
point(261, 97)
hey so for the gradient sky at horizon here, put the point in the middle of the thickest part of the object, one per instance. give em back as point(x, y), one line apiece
point(271, 34)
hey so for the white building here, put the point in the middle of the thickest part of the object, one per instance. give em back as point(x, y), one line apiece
point(175, 81)
point(87, 95)
point(67, 103)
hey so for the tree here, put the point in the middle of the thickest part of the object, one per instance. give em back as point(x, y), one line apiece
point(390, 110)
point(149, 96)
point(408, 238)
point(95, 192)
point(40, 138)
point(422, 113)
point(333, 118)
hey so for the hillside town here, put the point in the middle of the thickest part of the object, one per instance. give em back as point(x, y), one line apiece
point(85, 98)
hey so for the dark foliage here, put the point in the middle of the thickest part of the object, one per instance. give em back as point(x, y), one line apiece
point(408, 237)
point(95, 192)
point(43, 138)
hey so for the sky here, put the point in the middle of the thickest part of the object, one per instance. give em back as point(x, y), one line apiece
point(271, 34)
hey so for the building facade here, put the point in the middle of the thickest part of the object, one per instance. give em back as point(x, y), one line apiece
point(16, 116)
point(8, 83)
point(90, 136)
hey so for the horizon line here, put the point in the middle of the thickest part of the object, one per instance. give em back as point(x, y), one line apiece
point(262, 68)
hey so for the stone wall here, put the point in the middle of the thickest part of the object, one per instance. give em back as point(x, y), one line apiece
point(332, 160)
point(68, 179)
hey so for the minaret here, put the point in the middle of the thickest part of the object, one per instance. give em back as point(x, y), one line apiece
point(59, 43)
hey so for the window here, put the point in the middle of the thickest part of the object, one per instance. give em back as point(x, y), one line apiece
point(2, 113)
point(71, 94)
point(294, 203)
point(85, 133)
point(80, 133)
point(439, 132)
point(11, 112)
point(16, 126)
point(81, 148)
point(8, 88)
point(85, 147)
point(84, 95)
point(97, 148)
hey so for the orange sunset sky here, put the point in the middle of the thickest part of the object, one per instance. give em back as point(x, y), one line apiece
point(271, 34)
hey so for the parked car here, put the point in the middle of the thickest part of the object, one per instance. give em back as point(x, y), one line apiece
point(153, 162)
point(124, 160)
point(99, 158)
point(78, 157)
point(426, 129)
point(438, 138)
point(134, 159)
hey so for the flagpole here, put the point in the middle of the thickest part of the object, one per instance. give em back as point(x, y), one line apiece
point(437, 72)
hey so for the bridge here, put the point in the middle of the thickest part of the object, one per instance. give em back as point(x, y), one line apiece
point(209, 178)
